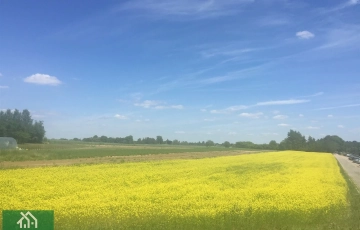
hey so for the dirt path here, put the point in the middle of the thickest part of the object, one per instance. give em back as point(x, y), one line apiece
point(120, 159)
point(352, 169)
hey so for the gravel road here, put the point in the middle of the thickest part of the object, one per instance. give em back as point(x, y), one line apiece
point(352, 169)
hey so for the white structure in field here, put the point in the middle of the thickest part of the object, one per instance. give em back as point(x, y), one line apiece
point(27, 220)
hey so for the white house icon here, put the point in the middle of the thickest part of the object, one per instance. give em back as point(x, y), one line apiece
point(29, 220)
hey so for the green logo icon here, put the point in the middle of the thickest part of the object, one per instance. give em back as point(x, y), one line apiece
point(28, 219)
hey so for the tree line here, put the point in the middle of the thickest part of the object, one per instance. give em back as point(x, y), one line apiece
point(294, 141)
point(24, 129)
point(21, 126)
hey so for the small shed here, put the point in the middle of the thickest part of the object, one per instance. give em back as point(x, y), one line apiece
point(7, 143)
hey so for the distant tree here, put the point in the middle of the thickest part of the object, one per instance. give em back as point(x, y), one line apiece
point(331, 144)
point(273, 145)
point(226, 144)
point(129, 139)
point(294, 141)
point(168, 142)
point(311, 144)
point(176, 142)
point(159, 140)
point(103, 139)
point(209, 143)
point(21, 126)
point(246, 145)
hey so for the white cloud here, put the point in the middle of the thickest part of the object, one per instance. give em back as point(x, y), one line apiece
point(121, 117)
point(4, 87)
point(281, 102)
point(312, 127)
point(305, 34)
point(330, 116)
point(236, 108)
point(251, 115)
point(317, 94)
point(283, 125)
point(280, 117)
point(229, 109)
point(276, 112)
point(353, 2)
point(179, 132)
point(301, 115)
point(176, 106)
point(43, 79)
point(217, 111)
point(273, 21)
point(270, 134)
point(339, 107)
point(203, 110)
point(37, 116)
point(207, 119)
point(341, 126)
point(232, 133)
point(148, 104)
point(265, 103)
point(0, 75)
point(349, 3)
point(185, 8)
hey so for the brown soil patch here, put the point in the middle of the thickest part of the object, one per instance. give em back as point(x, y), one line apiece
point(120, 159)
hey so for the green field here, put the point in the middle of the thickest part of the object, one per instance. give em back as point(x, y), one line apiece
point(74, 150)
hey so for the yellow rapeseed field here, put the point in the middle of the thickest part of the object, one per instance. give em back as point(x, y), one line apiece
point(268, 190)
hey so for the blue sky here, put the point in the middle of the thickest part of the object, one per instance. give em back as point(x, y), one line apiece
point(236, 70)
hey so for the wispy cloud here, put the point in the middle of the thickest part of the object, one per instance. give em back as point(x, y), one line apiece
point(120, 117)
point(251, 115)
point(232, 133)
point(301, 115)
point(43, 79)
point(4, 87)
point(283, 125)
point(270, 134)
point(179, 132)
point(231, 52)
point(330, 116)
point(276, 112)
point(148, 104)
point(265, 103)
point(342, 6)
point(341, 126)
point(191, 9)
point(304, 34)
point(273, 20)
point(281, 102)
point(312, 95)
point(280, 117)
point(230, 109)
point(339, 107)
point(312, 127)
point(342, 36)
